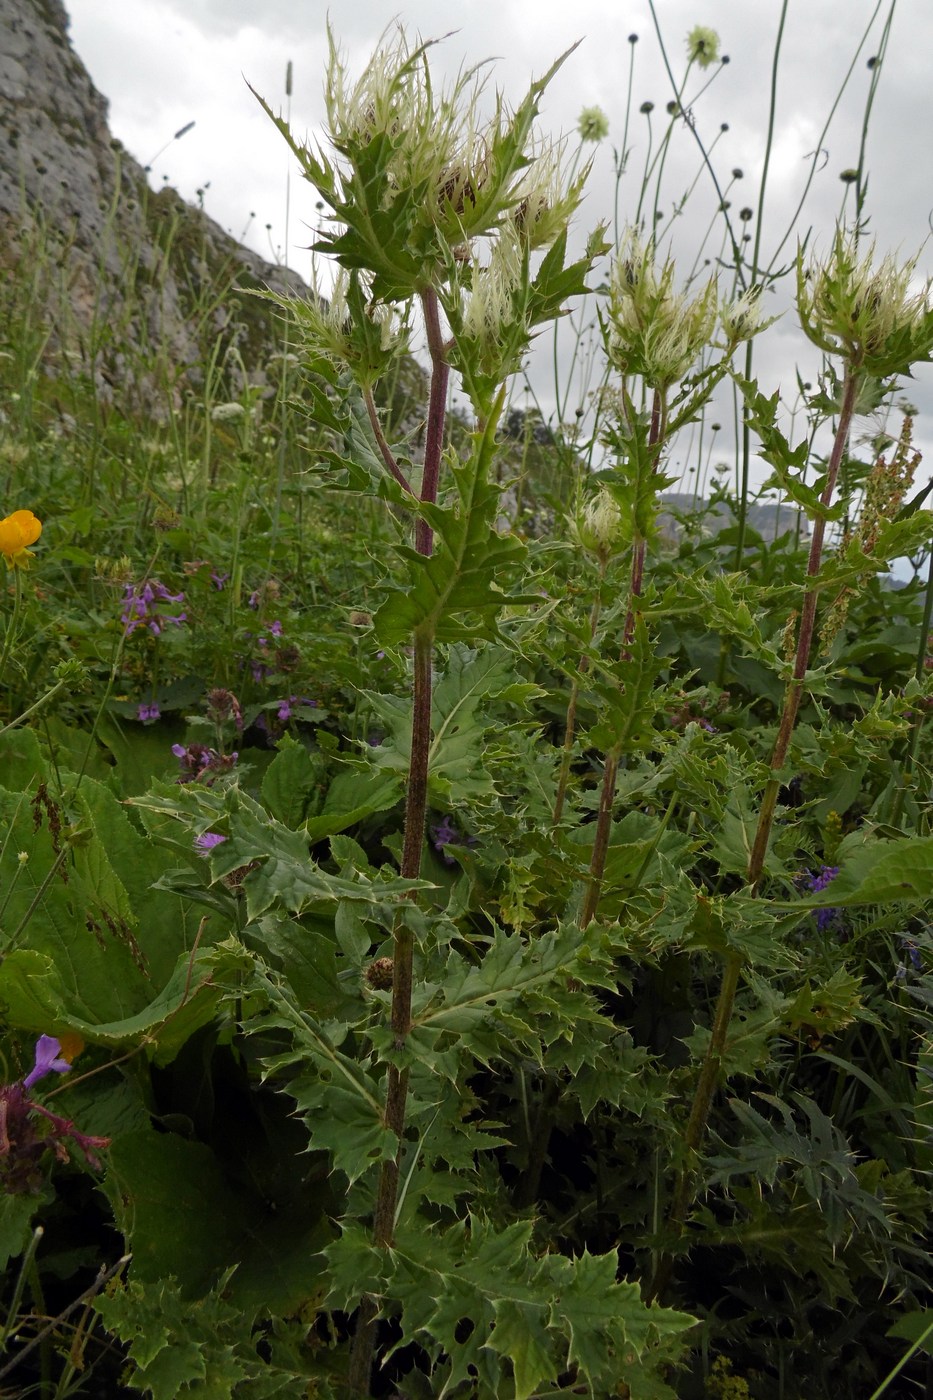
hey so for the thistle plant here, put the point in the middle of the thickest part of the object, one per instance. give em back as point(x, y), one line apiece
point(437, 1116)
point(869, 316)
point(872, 319)
point(657, 340)
point(435, 208)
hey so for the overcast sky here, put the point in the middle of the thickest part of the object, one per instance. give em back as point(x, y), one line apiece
point(165, 63)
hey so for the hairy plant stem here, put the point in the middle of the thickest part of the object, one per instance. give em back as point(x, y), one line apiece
point(715, 1052)
point(361, 1353)
point(27, 714)
point(437, 412)
point(614, 755)
point(570, 723)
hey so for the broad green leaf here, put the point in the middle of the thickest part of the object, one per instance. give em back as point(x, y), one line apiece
point(915, 1327)
point(457, 593)
point(355, 794)
point(460, 719)
point(520, 1335)
point(36, 999)
point(877, 872)
point(291, 783)
point(186, 1215)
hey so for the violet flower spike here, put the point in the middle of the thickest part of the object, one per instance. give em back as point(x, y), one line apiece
point(825, 918)
point(48, 1061)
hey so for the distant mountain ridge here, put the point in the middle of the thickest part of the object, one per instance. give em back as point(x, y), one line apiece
point(766, 518)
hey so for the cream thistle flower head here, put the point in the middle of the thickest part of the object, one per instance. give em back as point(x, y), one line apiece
point(600, 527)
point(419, 169)
point(741, 319)
point(491, 307)
point(17, 532)
point(593, 124)
point(703, 46)
point(545, 200)
point(654, 331)
point(869, 312)
point(348, 326)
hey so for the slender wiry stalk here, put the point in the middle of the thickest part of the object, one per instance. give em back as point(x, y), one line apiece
point(711, 1067)
point(12, 626)
point(756, 254)
point(691, 126)
point(361, 1355)
point(36, 900)
point(37, 705)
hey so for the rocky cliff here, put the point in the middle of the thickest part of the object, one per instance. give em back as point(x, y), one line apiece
point(131, 284)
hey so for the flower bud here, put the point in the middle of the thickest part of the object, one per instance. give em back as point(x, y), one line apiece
point(600, 527)
point(227, 412)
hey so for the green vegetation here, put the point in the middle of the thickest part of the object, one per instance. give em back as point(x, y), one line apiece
point(461, 936)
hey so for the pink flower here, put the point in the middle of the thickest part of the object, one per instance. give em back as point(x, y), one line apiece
point(208, 840)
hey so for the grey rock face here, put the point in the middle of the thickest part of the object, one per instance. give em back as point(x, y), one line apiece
point(123, 271)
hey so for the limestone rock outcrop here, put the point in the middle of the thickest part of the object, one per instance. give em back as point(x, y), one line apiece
point(123, 275)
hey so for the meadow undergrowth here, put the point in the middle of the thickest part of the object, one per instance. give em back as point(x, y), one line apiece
point(465, 921)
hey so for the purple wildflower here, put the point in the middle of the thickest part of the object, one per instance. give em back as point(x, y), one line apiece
point(254, 599)
point(817, 883)
point(208, 840)
point(287, 706)
point(825, 918)
point(218, 580)
point(48, 1060)
point(146, 713)
point(199, 762)
point(276, 628)
point(25, 1137)
point(141, 607)
point(446, 833)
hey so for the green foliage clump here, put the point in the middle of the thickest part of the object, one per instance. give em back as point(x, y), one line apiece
point(471, 938)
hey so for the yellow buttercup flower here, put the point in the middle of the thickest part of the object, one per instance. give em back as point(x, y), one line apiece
point(17, 532)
